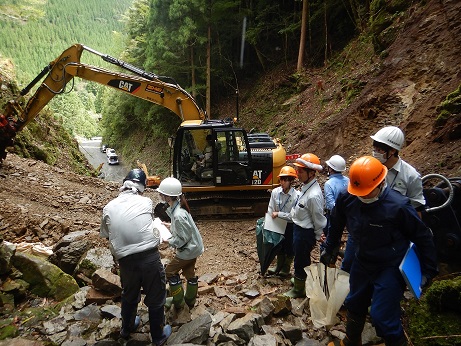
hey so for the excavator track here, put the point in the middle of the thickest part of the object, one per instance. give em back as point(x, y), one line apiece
point(228, 205)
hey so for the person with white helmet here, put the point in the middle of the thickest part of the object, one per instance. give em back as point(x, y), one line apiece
point(128, 223)
point(308, 218)
point(384, 223)
point(187, 241)
point(335, 184)
point(402, 177)
point(280, 204)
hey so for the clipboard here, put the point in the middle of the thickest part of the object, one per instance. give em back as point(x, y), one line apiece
point(411, 271)
point(165, 233)
point(276, 225)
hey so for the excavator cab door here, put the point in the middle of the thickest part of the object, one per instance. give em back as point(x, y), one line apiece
point(233, 156)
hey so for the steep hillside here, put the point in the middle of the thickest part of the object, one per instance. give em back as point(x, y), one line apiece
point(359, 92)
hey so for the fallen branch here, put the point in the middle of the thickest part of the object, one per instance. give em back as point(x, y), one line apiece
point(441, 336)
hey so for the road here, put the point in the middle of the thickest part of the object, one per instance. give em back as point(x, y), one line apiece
point(91, 149)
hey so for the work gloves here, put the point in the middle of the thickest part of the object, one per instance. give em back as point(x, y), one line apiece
point(327, 258)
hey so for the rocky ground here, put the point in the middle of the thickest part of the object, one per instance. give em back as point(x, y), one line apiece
point(41, 204)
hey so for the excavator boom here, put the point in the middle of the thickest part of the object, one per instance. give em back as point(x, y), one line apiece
point(62, 70)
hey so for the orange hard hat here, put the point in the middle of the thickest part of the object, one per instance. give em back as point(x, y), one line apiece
point(365, 174)
point(310, 161)
point(288, 171)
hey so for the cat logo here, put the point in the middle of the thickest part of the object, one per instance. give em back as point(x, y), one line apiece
point(154, 89)
point(256, 180)
point(124, 85)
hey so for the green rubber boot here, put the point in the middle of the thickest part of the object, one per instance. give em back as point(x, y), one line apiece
point(191, 291)
point(298, 290)
point(177, 293)
point(278, 267)
point(286, 268)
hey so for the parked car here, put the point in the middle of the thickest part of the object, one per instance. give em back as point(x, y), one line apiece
point(110, 151)
point(112, 159)
point(103, 148)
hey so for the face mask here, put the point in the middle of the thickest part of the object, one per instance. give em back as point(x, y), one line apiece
point(381, 157)
point(373, 199)
point(368, 200)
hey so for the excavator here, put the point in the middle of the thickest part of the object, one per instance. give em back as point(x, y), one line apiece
point(240, 168)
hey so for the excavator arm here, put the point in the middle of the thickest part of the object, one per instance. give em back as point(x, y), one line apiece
point(161, 90)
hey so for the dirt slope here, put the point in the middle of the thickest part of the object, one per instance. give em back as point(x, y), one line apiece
point(401, 87)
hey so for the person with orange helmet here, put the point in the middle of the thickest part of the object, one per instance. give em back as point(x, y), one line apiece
point(384, 223)
point(308, 219)
point(280, 204)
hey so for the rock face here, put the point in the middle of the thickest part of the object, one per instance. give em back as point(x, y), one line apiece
point(45, 279)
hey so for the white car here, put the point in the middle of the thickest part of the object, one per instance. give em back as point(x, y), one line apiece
point(110, 151)
point(112, 159)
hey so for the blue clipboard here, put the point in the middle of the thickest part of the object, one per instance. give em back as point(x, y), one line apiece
point(411, 271)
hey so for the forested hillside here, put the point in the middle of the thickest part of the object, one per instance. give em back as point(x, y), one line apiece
point(33, 33)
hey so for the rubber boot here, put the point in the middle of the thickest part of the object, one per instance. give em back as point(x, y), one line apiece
point(279, 265)
point(125, 332)
point(400, 342)
point(298, 290)
point(354, 329)
point(191, 291)
point(344, 342)
point(177, 293)
point(286, 268)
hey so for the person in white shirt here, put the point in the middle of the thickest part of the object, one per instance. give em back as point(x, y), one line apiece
point(280, 204)
point(308, 218)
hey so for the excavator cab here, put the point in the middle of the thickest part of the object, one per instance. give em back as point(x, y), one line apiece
point(212, 154)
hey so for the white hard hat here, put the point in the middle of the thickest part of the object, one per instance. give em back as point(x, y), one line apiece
point(337, 163)
point(170, 187)
point(391, 136)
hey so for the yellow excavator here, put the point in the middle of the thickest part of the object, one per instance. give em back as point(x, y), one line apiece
point(240, 168)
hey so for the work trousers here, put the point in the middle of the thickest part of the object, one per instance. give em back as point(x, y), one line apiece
point(287, 242)
point(303, 243)
point(349, 254)
point(382, 288)
point(176, 265)
point(143, 270)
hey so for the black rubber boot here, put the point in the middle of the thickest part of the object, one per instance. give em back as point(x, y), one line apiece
point(400, 342)
point(354, 328)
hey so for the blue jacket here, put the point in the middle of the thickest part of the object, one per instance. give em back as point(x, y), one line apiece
point(382, 231)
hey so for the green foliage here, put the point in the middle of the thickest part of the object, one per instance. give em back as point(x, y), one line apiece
point(449, 107)
point(33, 33)
point(436, 319)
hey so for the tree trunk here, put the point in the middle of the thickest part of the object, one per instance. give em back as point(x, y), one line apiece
point(302, 39)
point(208, 74)
point(326, 31)
point(192, 65)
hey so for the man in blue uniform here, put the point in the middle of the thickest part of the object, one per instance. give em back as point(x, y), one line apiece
point(384, 223)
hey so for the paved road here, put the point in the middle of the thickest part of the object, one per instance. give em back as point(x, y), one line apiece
point(91, 149)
